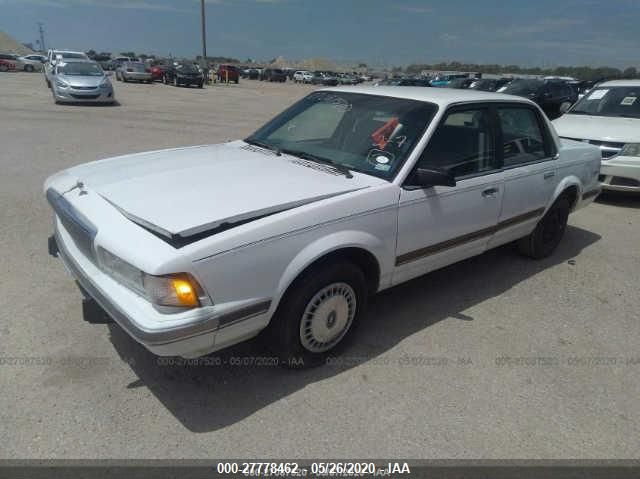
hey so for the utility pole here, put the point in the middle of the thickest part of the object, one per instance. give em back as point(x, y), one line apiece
point(41, 31)
point(204, 32)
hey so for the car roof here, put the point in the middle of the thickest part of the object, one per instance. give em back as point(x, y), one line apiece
point(440, 96)
point(79, 60)
point(613, 83)
point(62, 52)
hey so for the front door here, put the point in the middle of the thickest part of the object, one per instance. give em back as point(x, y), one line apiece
point(440, 225)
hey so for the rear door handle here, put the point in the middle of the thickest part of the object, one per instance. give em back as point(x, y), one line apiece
point(490, 192)
point(550, 174)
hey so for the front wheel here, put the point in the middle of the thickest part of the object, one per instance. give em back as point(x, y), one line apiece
point(317, 313)
point(548, 232)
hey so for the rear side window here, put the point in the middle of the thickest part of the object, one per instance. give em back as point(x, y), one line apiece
point(523, 141)
point(462, 144)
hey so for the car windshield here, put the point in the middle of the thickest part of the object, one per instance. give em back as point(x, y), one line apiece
point(82, 69)
point(186, 68)
point(613, 101)
point(366, 133)
point(522, 87)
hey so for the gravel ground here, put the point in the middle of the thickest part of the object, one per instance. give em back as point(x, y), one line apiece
point(494, 357)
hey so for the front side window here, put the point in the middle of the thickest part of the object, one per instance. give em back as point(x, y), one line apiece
point(366, 133)
point(463, 144)
point(522, 138)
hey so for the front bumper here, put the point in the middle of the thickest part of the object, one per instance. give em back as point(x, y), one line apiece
point(621, 173)
point(188, 334)
point(190, 80)
point(72, 95)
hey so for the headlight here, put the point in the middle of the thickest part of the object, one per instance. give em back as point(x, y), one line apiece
point(105, 83)
point(61, 84)
point(175, 290)
point(630, 149)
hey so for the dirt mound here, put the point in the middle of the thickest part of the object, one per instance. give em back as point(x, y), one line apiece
point(9, 45)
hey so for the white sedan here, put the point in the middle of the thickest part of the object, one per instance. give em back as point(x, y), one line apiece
point(346, 193)
point(609, 117)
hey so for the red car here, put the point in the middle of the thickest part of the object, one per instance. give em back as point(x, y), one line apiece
point(228, 73)
point(6, 65)
point(157, 72)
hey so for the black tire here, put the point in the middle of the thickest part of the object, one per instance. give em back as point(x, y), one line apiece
point(545, 238)
point(201, 85)
point(28, 68)
point(124, 79)
point(284, 336)
point(4, 68)
point(237, 81)
point(48, 82)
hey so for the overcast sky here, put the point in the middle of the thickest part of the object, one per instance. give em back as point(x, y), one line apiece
point(523, 32)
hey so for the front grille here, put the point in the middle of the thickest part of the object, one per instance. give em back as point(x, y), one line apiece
point(84, 87)
point(608, 149)
point(81, 230)
point(622, 181)
point(85, 97)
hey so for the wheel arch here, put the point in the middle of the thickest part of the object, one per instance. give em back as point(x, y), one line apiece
point(363, 249)
point(569, 187)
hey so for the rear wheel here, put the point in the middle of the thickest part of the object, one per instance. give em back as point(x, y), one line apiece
point(548, 232)
point(3, 67)
point(28, 68)
point(317, 313)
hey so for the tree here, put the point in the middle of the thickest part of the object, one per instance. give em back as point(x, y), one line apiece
point(631, 72)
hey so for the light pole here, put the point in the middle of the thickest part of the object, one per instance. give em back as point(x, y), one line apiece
point(204, 32)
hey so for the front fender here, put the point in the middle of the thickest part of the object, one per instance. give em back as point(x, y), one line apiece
point(333, 242)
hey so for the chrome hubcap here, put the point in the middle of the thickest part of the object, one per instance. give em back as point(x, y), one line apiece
point(327, 317)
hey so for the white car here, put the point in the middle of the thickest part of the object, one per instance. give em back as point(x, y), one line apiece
point(55, 56)
point(609, 117)
point(348, 192)
point(302, 76)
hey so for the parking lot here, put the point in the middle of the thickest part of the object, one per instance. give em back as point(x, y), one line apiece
point(495, 357)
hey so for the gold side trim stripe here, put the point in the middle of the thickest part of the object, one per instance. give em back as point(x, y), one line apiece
point(454, 242)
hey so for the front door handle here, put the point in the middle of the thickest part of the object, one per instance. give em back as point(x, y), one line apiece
point(490, 192)
point(550, 174)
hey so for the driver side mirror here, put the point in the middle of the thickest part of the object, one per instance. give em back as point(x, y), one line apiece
point(425, 177)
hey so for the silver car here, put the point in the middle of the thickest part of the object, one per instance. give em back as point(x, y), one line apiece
point(78, 81)
point(134, 71)
point(32, 63)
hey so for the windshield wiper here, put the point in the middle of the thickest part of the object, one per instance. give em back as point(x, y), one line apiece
point(318, 159)
point(264, 145)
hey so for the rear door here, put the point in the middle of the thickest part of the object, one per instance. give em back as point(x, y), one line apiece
point(530, 170)
point(440, 225)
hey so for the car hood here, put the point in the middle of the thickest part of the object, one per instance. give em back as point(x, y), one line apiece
point(184, 192)
point(81, 80)
point(600, 128)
